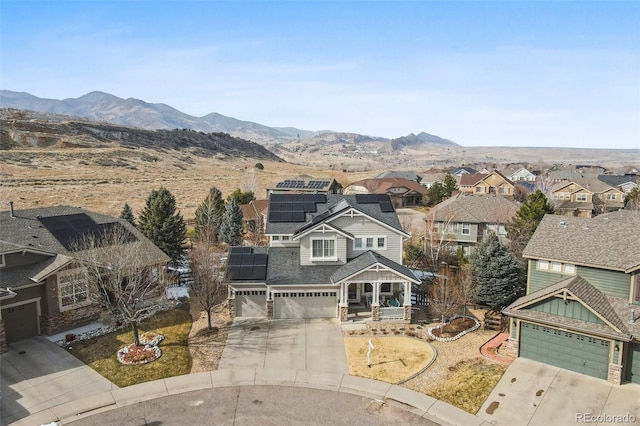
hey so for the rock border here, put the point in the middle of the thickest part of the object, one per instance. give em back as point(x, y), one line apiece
point(457, 336)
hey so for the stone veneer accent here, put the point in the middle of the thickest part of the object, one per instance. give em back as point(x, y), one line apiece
point(270, 309)
point(65, 320)
point(3, 338)
point(232, 307)
point(615, 374)
point(512, 346)
point(344, 312)
point(407, 313)
point(375, 312)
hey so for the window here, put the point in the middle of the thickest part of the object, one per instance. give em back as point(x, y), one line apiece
point(72, 289)
point(581, 197)
point(479, 189)
point(385, 288)
point(503, 190)
point(569, 269)
point(638, 288)
point(323, 249)
point(543, 265)
point(452, 228)
point(556, 267)
point(275, 238)
point(466, 229)
point(285, 238)
point(612, 196)
point(370, 243)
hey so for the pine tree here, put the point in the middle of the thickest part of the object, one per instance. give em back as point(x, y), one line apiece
point(160, 222)
point(231, 227)
point(499, 274)
point(436, 194)
point(209, 216)
point(527, 219)
point(449, 185)
point(127, 214)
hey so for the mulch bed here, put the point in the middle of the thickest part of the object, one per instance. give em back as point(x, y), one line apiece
point(454, 328)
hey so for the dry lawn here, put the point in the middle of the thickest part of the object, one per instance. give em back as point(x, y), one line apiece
point(393, 359)
point(100, 353)
point(206, 346)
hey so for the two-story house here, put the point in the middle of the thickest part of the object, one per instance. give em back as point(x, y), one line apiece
point(519, 174)
point(403, 192)
point(464, 220)
point(581, 311)
point(306, 186)
point(585, 197)
point(490, 183)
point(326, 253)
point(42, 289)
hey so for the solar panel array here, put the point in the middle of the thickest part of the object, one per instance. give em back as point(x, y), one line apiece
point(293, 207)
point(382, 199)
point(300, 184)
point(245, 264)
point(70, 230)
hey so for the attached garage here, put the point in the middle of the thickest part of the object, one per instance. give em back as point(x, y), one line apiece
point(21, 321)
point(251, 303)
point(309, 304)
point(571, 351)
point(634, 363)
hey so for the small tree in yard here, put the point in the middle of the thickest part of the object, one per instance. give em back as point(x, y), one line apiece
point(500, 276)
point(127, 214)
point(119, 277)
point(160, 222)
point(208, 288)
point(209, 216)
point(231, 226)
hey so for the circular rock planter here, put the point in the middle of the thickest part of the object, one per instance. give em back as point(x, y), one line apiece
point(457, 327)
point(144, 353)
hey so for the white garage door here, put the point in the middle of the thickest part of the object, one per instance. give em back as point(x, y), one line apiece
point(251, 303)
point(316, 304)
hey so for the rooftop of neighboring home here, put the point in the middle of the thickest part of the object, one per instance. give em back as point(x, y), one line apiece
point(384, 185)
point(463, 170)
point(473, 179)
point(608, 241)
point(399, 174)
point(617, 180)
point(588, 182)
point(310, 185)
point(254, 209)
point(474, 209)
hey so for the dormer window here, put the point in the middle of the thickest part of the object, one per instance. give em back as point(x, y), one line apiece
point(323, 249)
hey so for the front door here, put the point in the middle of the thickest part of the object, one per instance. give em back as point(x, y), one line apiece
point(354, 292)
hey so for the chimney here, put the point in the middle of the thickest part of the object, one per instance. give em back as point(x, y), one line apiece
point(11, 213)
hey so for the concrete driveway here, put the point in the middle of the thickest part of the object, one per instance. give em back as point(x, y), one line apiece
point(37, 374)
point(304, 344)
point(531, 393)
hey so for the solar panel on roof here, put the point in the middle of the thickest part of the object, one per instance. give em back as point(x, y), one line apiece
point(71, 230)
point(274, 216)
point(260, 259)
point(298, 216)
point(259, 272)
point(386, 207)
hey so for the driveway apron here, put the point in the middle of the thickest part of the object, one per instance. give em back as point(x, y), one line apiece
point(301, 344)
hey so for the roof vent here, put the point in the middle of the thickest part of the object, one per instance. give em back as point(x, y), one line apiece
point(11, 212)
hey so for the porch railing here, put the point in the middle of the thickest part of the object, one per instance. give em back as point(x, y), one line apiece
point(391, 313)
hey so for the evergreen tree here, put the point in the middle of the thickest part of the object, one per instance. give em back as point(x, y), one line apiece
point(160, 222)
point(127, 214)
point(243, 197)
point(436, 194)
point(632, 200)
point(499, 274)
point(209, 216)
point(231, 226)
point(449, 185)
point(527, 219)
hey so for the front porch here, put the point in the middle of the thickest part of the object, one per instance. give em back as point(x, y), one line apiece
point(375, 301)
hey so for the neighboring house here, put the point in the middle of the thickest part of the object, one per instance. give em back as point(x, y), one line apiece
point(464, 220)
point(429, 179)
point(585, 197)
point(491, 183)
point(254, 215)
point(326, 253)
point(460, 171)
point(43, 291)
point(399, 174)
point(591, 169)
point(625, 183)
point(403, 192)
point(519, 175)
point(581, 311)
point(306, 186)
point(555, 176)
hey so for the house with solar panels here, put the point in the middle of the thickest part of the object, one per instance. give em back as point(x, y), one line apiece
point(306, 186)
point(42, 289)
point(328, 256)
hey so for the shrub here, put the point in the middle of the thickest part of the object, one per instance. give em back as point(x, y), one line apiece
point(259, 166)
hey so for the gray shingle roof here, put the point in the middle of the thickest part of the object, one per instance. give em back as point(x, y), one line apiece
point(366, 260)
point(474, 209)
point(588, 294)
point(285, 269)
point(609, 241)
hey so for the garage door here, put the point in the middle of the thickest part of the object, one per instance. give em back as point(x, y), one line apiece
point(317, 304)
point(570, 351)
point(251, 303)
point(20, 322)
point(634, 360)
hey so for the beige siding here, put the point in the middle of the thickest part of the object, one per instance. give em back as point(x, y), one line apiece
point(362, 227)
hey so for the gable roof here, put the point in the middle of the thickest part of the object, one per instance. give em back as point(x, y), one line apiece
point(586, 294)
point(470, 179)
point(284, 269)
point(464, 170)
point(618, 180)
point(384, 185)
point(399, 174)
point(474, 209)
point(253, 209)
point(367, 260)
point(608, 241)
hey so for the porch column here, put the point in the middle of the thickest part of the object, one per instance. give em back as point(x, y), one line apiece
point(407, 293)
point(375, 301)
point(342, 286)
point(343, 306)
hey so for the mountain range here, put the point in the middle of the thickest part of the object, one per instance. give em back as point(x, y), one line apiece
point(133, 112)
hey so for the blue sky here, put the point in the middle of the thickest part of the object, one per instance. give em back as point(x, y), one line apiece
point(507, 73)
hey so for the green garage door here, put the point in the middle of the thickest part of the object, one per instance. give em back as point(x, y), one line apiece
point(570, 351)
point(634, 360)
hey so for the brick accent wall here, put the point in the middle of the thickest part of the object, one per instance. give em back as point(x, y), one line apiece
point(615, 374)
point(375, 312)
point(270, 309)
point(231, 302)
point(512, 346)
point(344, 311)
point(69, 319)
point(407, 313)
point(3, 338)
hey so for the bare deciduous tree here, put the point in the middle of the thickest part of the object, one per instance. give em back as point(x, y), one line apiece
point(121, 274)
point(208, 288)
